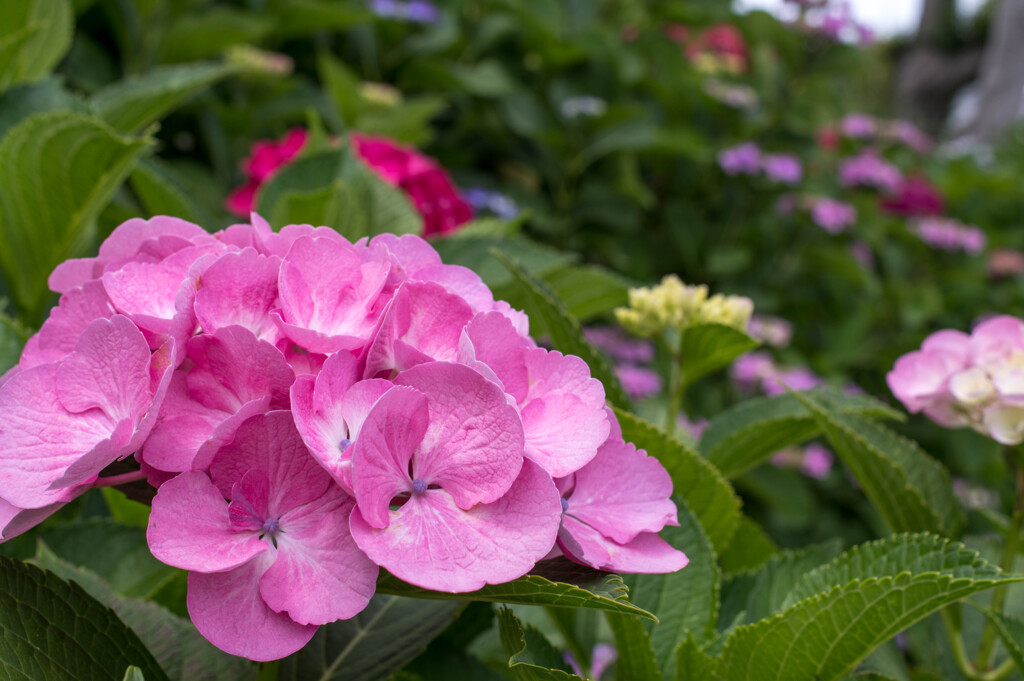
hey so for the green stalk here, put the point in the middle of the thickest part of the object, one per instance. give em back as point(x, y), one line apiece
point(988, 636)
point(951, 620)
point(675, 384)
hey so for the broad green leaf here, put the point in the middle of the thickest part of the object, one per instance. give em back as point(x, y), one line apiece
point(57, 171)
point(373, 644)
point(125, 511)
point(388, 209)
point(302, 17)
point(749, 548)
point(911, 490)
point(685, 602)
point(117, 553)
point(762, 592)
point(407, 122)
point(1011, 631)
point(559, 583)
point(198, 35)
point(45, 95)
point(161, 192)
point(708, 495)
point(692, 663)
point(636, 661)
point(530, 656)
point(50, 629)
point(706, 348)
point(34, 36)
point(342, 86)
point(588, 291)
point(473, 249)
point(746, 435)
point(565, 331)
point(440, 660)
point(839, 613)
point(132, 104)
point(13, 335)
point(180, 649)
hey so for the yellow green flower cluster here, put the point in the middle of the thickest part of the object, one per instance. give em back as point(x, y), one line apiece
point(673, 304)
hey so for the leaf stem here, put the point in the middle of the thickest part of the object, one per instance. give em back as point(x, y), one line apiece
point(1010, 544)
point(675, 386)
point(122, 479)
point(951, 620)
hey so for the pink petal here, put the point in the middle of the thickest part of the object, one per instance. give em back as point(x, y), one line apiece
point(473, 447)
point(270, 443)
point(320, 575)
point(380, 457)
point(563, 414)
point(647, 553)
point(432, 543)
point(622, 493)
point(189, 527)
point(229, 611)
point(495, 342)
point(56, 339)
point(232, 367)
point(423, 323)
point(327, 295)
point(239, 288)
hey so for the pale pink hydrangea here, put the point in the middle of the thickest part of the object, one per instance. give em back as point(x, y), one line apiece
point(974, 380)
point(311, 409)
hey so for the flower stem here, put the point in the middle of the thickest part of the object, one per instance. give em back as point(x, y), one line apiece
point(122, 479)
point(951, 620)
point(1010, 545)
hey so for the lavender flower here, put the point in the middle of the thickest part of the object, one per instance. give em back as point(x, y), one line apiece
point(783, 168)
point(415, 11)
point(833, 216)
point(869, 170)
point(947, 234)
point(858, 126)
point(617, 345)
point(638, 382)
point(494, 202)
point(743, 159)
point(773, 331)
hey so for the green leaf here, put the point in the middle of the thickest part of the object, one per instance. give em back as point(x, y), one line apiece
point(636, 661)
point(588, 291)
point(162, 192)
point(762, 592)
point(132, 104)
point(1011, 631)
point(685, 602)
point(50, 629)
point(472, 246)
point(692, 663)
point(57, 171)
point(125, 511)
point(565, 331)
point(34, 36)
point(706, 348)
point(911, 490)
point(24, 100)
point(839, 613)
point(342, 85)
point(749, 548)
point(560, 583)
point(372, 645)
point(530, 656)
point(117, 553)
point(198, 35)
point(746, 435)
point(13, 335)
point(303, 17)
point(180, 649)
point(707, 494)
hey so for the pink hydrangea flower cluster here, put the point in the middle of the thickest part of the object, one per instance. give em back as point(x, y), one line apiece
point(312, 410)
point(947, 234)
point(426, 183)
point(974, 380)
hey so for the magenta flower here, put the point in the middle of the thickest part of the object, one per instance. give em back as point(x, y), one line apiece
point(265, 539)
point(613, 508)
point(817, 461)
point(916, 196)
point(833, 216)
point(445, 447)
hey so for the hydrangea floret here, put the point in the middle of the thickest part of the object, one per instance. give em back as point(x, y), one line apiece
point(310, 410)
point(673, 304)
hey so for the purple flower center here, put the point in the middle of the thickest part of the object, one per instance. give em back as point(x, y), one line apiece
point(271, 526)
point(565, 504)
point(419, 486)
point(344, 444)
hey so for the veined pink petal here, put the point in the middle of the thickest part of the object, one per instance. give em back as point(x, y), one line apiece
point(647, 553)
point(189, 527)
point(327, 295)
point(423, 322)
point(495, 342)
point(270, 443)
point(320, 575)
point(58, 335)
point(389, 437)
point(229, 611)
point(622, 493)
point(473, 447)
point(434, 544)
point(240, 289)
point(232, 367)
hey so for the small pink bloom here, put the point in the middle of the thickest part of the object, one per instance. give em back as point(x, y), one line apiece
point(817, 461)
point(638, 382)
point(782, 168)
point(265, 538)
point(833, 216)
point(744, 159)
